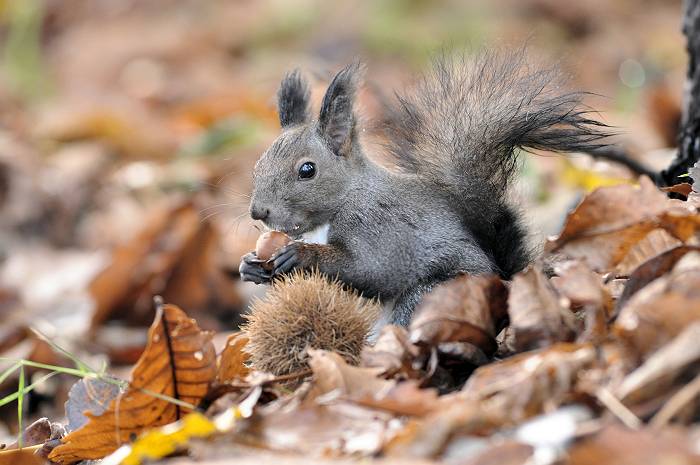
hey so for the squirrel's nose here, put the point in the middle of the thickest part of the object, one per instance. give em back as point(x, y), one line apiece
point(259, 213)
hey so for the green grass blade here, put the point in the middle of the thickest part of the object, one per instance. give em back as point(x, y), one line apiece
point(60, 369)
point(6, 374)
point(20, 407)
point(79, 364)
point(26, 389)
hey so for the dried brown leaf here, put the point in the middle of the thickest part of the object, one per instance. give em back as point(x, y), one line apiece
point(465, 309)
point(333, 374)
point(427, 438)
point(659, 372)
point(537, 317)
point(88, 395)
point(139, 267)
point(37, 433)
point(232, 362)
point(608, 223)
point(655, 243)
point(683, 188)
point(20, 457)
point(615, 445)
point(530, 383)
point(405, 399)
point(662, 309)
point(393, 353)
point(651, 269)
point(322, 430)
point(584, 289)
point(179, 362)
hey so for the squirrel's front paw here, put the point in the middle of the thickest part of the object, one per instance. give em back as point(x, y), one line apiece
point(288, 258)
point(251, 269)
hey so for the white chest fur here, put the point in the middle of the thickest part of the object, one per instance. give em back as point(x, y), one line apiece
point(317, 235)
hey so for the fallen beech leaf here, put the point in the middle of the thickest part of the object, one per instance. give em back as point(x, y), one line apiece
point(322, 430)
point(536, 316)
point(333, 374)
point(655, 243)
point(611, 220)
point(136, 265)
point(660, 371)
point(527, 384)
point(508, 452)
point(24, 456)
point(232, 362)
point(427, 438)
point(88, 395)
point(394, 354)
point(584, 289)
point(405, 398)
point(651, 269)
point(179, 362)
point(37, 433)
point(662, 309)
point(467, 308)
point(362, 386)
point(683, 188)
point(615, 445)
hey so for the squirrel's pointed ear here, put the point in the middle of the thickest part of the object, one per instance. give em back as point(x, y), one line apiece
point(337, 120)
point(293, 99)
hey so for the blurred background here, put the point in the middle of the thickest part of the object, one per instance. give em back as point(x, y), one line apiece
point(128, 131)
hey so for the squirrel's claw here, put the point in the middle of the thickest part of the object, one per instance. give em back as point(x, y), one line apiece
point(251, 269)
point(286, 259)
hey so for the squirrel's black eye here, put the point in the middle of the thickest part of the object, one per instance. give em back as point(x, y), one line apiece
point(307, 170)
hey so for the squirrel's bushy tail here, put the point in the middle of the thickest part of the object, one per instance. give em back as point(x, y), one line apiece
point(462, 125)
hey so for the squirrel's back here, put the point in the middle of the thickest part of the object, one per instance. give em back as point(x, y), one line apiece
point(461, 127)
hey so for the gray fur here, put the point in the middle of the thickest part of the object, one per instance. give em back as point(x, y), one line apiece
point(394, 235)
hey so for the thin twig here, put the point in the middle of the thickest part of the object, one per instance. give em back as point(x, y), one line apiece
point(618, 409)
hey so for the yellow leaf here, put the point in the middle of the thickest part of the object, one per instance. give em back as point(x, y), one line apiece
point(161, 442)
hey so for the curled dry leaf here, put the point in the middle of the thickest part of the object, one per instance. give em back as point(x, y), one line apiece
point(611, 220)
point(333, 374)
point(37, 433)
point(394, 354)
point(527, 384)
point(465, 309)
point(363, 386)
point(651, 269)
point(537, 318)
point(179, 362)
point(662, 309)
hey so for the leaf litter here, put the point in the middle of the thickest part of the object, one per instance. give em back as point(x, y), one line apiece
point(589, 356)
point(558, 372)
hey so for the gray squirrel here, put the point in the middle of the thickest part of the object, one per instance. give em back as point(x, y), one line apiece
point(395, 234)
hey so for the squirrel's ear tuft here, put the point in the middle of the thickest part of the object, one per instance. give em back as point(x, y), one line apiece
point(337, 120)
point(293, 99)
